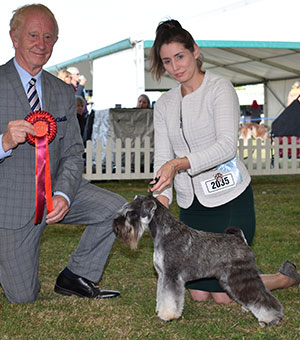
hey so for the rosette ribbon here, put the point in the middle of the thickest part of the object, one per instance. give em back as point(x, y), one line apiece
point(45, 128)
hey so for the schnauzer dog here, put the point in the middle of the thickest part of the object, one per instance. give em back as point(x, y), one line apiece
point(183, 254)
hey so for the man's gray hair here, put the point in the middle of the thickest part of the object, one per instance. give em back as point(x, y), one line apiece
point(20, 13)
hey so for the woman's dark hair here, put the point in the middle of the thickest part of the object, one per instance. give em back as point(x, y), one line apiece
point(169, 31)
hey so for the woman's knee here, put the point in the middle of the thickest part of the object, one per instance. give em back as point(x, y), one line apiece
point(200, 295)
point(221, 298)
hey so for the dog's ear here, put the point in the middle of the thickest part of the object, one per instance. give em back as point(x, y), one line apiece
point(148, 208)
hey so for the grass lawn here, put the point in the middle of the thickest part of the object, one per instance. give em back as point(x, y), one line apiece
point(53, 316)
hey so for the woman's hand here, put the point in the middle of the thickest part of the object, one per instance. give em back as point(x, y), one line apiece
point(165, 176)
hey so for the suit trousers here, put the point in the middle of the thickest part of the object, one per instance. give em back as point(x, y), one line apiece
point(19, 249)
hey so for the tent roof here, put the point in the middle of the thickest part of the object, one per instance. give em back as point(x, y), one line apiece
point(243, 62)
point(250, 62)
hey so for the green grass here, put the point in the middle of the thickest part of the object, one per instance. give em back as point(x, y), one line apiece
point(277, 201)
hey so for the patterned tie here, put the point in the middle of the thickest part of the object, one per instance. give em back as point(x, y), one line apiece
point(32, 96)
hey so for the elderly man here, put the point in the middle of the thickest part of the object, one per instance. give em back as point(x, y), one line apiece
point(34, 32)
point(77, 82)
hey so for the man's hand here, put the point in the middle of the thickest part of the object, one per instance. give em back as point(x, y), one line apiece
point(16, 133)
point(60, 209)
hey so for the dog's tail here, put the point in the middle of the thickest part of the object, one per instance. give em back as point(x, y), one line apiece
point(236, 231)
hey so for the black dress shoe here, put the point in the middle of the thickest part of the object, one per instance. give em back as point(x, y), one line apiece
point(82, 287)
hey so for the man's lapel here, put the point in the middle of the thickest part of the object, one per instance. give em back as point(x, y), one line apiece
point(46, 88)
point(14, 79)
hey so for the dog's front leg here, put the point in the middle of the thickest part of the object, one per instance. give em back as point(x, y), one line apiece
point(170, 298)
point(158, 292)
point(158, 264)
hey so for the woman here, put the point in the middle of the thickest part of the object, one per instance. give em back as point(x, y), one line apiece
point(80, 104)
point(143, 102)
point(196, 133)
point(255, 112)
point(65, 76)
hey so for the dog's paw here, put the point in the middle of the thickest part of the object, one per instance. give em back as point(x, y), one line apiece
point(168, 315)
point(244, 309)
point(273, 322)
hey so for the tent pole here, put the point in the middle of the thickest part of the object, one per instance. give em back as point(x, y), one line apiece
point(274, 94)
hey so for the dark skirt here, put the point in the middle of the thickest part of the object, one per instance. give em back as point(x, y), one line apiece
point(236, 213)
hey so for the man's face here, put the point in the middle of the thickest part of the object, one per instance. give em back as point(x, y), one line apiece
point(33, 42)
point(75, 76)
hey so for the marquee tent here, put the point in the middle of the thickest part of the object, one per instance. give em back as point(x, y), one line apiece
point(118, 73)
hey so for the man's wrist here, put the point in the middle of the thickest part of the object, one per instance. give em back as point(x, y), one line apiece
point(3, 153)
point(59, 193)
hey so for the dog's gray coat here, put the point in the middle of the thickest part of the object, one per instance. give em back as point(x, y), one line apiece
point(183, 254)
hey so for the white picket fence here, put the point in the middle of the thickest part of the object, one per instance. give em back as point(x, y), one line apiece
point(133, 159)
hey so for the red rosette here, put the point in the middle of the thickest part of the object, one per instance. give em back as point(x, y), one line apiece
point(48, 119)
point(45, 128)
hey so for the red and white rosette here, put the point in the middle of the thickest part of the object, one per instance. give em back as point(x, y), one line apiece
point(45, 128)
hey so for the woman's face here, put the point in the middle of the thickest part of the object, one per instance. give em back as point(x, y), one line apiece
point(68, 78)
point(142, 103)
point(179, 62)
point(79, 107)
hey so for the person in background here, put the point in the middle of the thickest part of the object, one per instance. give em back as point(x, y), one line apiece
point(34, 32)
point(79, 109)
point(196, 133)
point(294, 92)
point(143, 102)
point(255, 112)
point(78, 83)
point(65, 76)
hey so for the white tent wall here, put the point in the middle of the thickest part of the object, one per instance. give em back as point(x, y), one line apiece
point(118, 78)
point(151, 84)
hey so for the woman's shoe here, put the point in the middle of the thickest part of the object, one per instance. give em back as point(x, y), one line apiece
point(290, 270)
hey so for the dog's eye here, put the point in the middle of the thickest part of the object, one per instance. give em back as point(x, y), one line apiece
point(132, 215)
